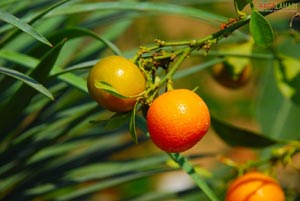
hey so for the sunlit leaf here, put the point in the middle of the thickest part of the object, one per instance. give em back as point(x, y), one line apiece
point(278, 116)
point(287, 73)
point(238, 62)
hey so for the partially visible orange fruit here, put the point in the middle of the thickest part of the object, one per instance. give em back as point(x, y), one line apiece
point(124, 76)
point(177, 120)
point(255, 186)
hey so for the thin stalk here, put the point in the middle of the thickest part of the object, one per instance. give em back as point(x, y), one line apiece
point(190, 170)
point(185, 53)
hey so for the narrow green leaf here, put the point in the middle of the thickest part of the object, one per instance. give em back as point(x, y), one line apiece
point(287, 73)
point(80, 66)
point(74, 80)
point(81, 32)
point(18, 58)
point(72, 33)
point(132, 126)
point(11, 19)
point(108, 88)
point(11, 112)
point(39, 15)
point(34, 19)
point(104, 171)
point(71, 195)
point(261, 30)
point(107, 169)
point(239, 5)
point(235, 136)
point(27, 80)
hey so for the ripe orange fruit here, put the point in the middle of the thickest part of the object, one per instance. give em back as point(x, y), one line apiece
point(122, 75)
point(177, 120)
point(255, 186)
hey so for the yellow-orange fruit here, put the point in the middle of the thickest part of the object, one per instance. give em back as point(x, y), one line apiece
point(124, 76)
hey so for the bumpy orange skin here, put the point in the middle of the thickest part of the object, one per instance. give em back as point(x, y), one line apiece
point(177, 120)
point(123, 75)
point(255, 186)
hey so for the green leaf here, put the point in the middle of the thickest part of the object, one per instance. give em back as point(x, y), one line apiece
point(261, 30)
point(287, 73)
point(36, 18)
point(11, 19)
point(11, 112)
point(278, 116)
point(27, 80)
point(18, 58)
point(239, 5)
point(109, 169)
point(132, 127)
point(236, 136)
point(108, 88)
point(97, 186)
point(81, 32)
point(238, 63)
point(80, 66)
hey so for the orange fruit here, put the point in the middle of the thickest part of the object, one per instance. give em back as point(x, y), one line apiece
point(177, 120)
point(124, 76)
point(255, 186)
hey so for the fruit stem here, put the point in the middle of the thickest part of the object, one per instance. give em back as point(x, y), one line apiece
point(186, 166)
point(185, 53)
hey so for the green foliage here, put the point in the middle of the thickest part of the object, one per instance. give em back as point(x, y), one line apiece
point(57, 144)
point(261, 30)
point(11, 19)
point(287, 74)
point(240, 137)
